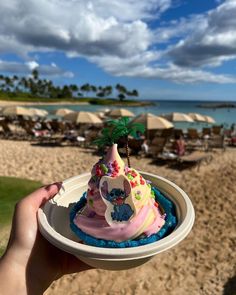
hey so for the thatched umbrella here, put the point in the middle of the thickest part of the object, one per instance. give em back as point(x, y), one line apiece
point(117, 113)
point(83, 118)
point(209, 119)
point(178, 117)
point(197, 117)
point(62, 112)
point(152, 122)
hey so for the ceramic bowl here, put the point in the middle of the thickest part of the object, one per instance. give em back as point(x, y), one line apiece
point(54, 224)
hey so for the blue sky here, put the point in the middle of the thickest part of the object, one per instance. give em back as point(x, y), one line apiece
point(166, 49)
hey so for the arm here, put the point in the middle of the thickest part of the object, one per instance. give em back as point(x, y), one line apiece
point(30, 263)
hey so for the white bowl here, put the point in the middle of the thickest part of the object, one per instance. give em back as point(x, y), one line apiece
point(54, 224)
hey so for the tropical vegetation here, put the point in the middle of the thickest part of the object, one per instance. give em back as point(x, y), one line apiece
point(35, 87)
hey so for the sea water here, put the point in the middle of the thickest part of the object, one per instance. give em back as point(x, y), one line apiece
point(222, 116)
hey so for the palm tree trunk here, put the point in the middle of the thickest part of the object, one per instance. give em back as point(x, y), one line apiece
point(127, 150)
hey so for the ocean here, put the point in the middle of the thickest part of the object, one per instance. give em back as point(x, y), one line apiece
point(222, 116)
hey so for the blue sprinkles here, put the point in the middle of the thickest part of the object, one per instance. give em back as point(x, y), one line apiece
point(169, 226)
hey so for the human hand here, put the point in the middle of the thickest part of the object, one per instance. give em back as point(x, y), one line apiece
point(30, 263)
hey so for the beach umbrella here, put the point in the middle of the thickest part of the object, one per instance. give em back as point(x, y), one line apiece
point(100, 114)
point(83, 118)
point(38, 112)
point(197, 117)
point(61, 112)
point(178, 117)
point(16, 111)
point(152, 122)
point(117, 113)
point(209, 119)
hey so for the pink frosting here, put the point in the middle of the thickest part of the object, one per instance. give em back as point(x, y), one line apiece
point(99, 228)
point(92, 220)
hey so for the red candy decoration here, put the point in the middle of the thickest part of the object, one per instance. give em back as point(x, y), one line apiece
point(99, 171)
point(133, 183)
point(142, 180)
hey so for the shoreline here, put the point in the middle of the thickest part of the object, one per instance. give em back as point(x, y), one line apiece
point(4, 103)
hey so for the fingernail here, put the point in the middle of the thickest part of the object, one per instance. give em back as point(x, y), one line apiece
point(58, 184)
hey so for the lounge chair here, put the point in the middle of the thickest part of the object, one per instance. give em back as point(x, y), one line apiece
point(216, 130)
point(157, 146)
point(195, 158)
point(217, 141)
point(192, 134)
point(206, 131)
point(7, 133)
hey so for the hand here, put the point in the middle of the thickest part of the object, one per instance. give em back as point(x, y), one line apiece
point(30, 263)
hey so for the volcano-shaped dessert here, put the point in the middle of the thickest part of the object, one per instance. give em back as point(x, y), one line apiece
point(121, 208)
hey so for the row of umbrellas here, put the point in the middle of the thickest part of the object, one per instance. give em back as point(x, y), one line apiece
point(150, 121)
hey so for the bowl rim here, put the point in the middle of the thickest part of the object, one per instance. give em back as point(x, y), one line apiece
point(114, 254)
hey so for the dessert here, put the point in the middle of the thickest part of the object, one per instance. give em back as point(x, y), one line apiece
point(120, 208)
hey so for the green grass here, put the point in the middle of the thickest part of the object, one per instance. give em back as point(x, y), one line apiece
point(11, 190)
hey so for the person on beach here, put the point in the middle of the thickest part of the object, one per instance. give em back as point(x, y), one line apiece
point(179, 145)
point(30, 263)
point(145, 147)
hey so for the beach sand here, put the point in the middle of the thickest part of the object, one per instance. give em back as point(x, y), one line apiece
point(203, 263)
point(6, 103)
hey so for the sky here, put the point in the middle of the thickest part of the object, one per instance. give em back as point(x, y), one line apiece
point(166, 49)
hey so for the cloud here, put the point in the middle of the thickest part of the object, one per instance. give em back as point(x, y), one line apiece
point(27, 67)
point(117, 36)
point(139, 66)
point(211, 43)
point(79, 27)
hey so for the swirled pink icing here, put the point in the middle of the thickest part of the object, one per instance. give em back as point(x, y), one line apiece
point(147, 219)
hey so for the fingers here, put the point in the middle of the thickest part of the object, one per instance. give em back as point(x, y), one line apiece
point(40, 196)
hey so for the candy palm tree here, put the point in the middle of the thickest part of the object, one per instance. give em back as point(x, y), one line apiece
point(123, 128)
point(106, 138)
point(117, 129)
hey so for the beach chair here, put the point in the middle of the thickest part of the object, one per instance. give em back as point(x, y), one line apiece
point(135, 145)
point(216, 130)
point(206, 131)
point(6, 131)
point(217, 141)
point(192, 134)
point(194, 159)
point(157, 146)
point(178, 132)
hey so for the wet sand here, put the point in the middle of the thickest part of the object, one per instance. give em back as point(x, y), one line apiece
point(202, 264)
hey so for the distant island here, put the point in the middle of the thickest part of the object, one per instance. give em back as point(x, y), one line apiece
point(33, 89)
point(217, 105)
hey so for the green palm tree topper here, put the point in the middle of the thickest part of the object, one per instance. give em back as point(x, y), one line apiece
point(123, 128)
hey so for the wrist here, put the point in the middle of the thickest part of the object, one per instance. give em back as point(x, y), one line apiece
point(15, 277)
point(9, 270)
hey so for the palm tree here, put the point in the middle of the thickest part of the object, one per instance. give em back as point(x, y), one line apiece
point(123, 128)
point(35, 74)
point(85, 88)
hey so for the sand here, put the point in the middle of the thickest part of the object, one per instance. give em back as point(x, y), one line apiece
point(204, 263)
point(6, 103)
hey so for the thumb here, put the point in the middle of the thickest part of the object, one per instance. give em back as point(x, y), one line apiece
point(40, 196)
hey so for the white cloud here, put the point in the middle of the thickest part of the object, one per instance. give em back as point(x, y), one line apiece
point(78, 27)
point(27, 67)
point(117, 37)
point(32, 65)
point(211, 43)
